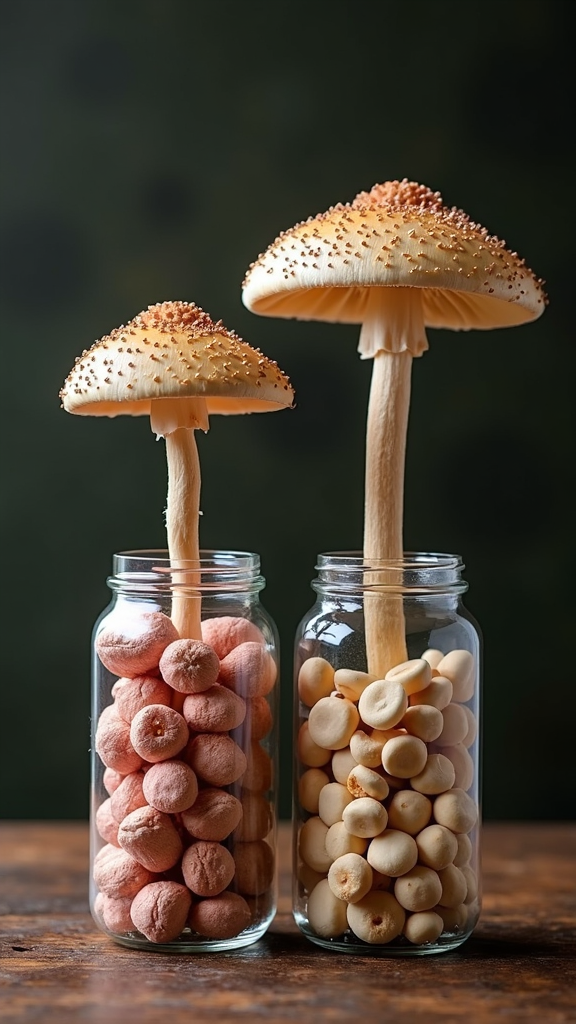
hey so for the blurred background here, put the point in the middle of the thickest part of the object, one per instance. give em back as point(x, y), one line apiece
point(151, 149)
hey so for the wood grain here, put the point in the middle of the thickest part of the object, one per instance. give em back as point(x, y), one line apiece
point(56, 967)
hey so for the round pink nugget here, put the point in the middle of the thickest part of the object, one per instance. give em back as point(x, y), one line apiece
point(254, 867)
point(213, 815)
point(131, 695)
point(220, 917)
point(258, 717)
point(226, 632)
point(207, 868)
point(216, 710)
point(249, 670)
point(170, 786)
point(117, 874)
point(129, 796)
point(216, 758)
point(113, 744)
point(190, 666)
point(158, 732)
point(160, 910)
point(112, 780)
point(106, 823)
point(258, 774)
point(136, 646)
point(114, 914)
point(150, 838)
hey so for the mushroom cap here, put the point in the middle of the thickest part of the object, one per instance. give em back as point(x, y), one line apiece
point(173, 350)
point(398, 235)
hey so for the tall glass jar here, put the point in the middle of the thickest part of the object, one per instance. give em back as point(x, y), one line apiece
point(387, 746)
point(184, 750)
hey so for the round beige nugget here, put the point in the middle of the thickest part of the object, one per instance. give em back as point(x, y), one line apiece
point(342, 764)
point(409, 811)
point(310, 785)
point(454, 887)
point(463, 765)
point(458, 666)
point(377, 918)
point(131, 695)
point(135, 646)
point(311, 845)
point(315, 680)
point(471, 884)
point(423, 721)
point(257, 818)
point(364, 781)
point(332, 801)
point(332, 721)
point(437, 694)
point(111, 780)
point(455, 918)
point(254, 867)
point(258, 717)
point(422, 927)
point(117, 874)
point(216, 709)
point(307, 877)
point(350, 877)
point(414, 675)
point(258, 774)
point(338, 841)
point(392, 853)
point(455, 725)
point(207, 868)
point(326, 913)
point(129, 796)
point(150, 838)
point(216, 758)
point(404, 756)
point(106, 823)
point(170, 786)
point(310, 753)
point(437, 847)
point(383, 704)
point(249, 670)
point(158, 732)
point(472, 732)
point(113, 744)
point(456, 810)
point(351, 683)
point(220, 917)
point(225, 632)
point(436, 776)
point(114, 914)
point(418, 889)
point(366, 748)
point(160, 910)
point(464, 851)
point(213, 815)
point(365, 817)
point(433, 657)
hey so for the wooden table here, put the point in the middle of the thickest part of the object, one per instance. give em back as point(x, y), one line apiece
point(56, 967)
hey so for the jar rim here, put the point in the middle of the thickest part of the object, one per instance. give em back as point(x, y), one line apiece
point(216, 569)
point(417, 572)
point(355, 559)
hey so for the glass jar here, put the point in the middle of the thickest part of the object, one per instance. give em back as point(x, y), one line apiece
point(387, 785)
point(184, 750)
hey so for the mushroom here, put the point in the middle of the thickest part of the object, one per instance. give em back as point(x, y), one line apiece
point(174, 364)
point(396, 260)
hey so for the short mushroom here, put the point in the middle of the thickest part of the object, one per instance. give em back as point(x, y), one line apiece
point(396, 260)
point(174, 364)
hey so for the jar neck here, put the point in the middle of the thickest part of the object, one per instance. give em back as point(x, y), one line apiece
point(152, 571)
point(417, 573)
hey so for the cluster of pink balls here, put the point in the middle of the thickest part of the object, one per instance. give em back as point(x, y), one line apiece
point(187, 817)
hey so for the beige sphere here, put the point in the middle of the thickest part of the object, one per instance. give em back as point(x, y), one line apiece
point(454, 887)
point(315, 680)
point(383, 703)
point(340, 841)
point(352, 683)
point(307, 877)
point(310, 785)
point(464, 851)
point(311, 845)
point(472, 887)
point(463, 764)
point(332, 801)
point(472, 732)
point(409, 811)
point(364, 781)
point(350, 877)
point(309, 752)
point(392, 853)
point(365, 817)
point(455, 725)
point(342, 764)
point(332, 721)
point(414, 675)
point(437, 694)
point(418, 889)
point(326, 913)
point(455, 918)
point(433, 657)
point(423, 926)
point(437, 775)
point(437, 846)
point(423, 721)
point(456, 810)
point(378, 918)
point(404, 756)
point(459, 667)
point(366, 748)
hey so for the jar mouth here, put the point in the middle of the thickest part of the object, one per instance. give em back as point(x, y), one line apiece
point(415, 572)
point(152, 568)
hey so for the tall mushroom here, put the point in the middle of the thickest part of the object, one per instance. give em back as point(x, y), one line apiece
point(396, 260)
point(174, 364)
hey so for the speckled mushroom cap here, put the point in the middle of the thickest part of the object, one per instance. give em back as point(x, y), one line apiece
point(399, 234)
point(173, 350)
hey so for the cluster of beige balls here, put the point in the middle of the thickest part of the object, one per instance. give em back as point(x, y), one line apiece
point(384, 847)
point(186, 819)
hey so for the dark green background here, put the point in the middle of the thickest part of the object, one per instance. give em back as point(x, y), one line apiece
point(150, 151)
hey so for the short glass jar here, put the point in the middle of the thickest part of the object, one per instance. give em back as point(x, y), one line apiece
point(184, 751)
point(387, 749)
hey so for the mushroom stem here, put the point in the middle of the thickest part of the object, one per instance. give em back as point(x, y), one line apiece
point(182, 514)
point(392, 333)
